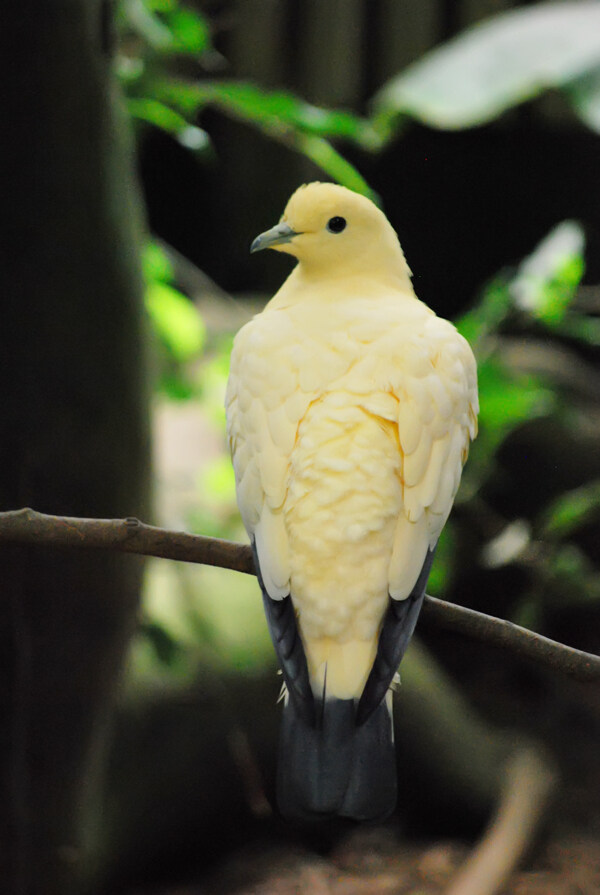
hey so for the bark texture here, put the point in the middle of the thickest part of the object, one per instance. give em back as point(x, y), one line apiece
point(74, 432)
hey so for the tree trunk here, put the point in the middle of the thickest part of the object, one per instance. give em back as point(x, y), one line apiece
point(74, 431)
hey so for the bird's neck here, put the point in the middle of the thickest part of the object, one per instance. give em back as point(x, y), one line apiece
point(346, 281)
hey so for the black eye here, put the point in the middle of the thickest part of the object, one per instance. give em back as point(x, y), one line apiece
point(336, 225)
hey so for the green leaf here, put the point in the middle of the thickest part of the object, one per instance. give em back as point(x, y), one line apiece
point(572, 510)
point(272, 111)
point(156, 264)
point(190, 31)
point(496, 65)
point(282, 117)
point(167, 27)
point(322, 153)
point(547, 280)
point(508, 400)
point(154, 112)
point(176, 320)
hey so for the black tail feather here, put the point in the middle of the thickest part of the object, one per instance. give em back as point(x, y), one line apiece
point(336, 768)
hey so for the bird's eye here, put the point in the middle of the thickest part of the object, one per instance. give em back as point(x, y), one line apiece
point(336, 225)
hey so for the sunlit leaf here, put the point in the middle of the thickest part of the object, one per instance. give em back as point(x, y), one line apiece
point(190, 31)
point(546, 281)
point(282, 117)
point(176, 320)
point(168, 27)
point(157, 265)
point(507, 400)
point(175, 385)
point(154, 112)
point(496, 65)
point(271, 110)
point(322, 153)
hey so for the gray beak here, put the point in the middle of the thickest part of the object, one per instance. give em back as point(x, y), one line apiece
point(276, 236)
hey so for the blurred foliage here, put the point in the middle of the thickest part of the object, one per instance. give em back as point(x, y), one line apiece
point(174, 318)
point(166, 54)
point(538, 301)
point(499, 64)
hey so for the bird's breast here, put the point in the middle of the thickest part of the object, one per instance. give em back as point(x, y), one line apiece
point(343, 498)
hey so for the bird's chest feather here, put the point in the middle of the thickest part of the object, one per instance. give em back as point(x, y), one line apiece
point(343, 497)
point(344, 489)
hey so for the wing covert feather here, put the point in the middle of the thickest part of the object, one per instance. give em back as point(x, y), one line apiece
point(267, 396)
point(436, 420)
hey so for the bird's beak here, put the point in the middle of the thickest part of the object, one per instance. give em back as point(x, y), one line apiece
point(270, 239)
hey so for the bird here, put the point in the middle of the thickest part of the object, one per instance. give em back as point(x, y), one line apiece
point(350, 409)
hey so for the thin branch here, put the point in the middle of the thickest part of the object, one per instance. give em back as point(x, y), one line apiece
point(499, 632)
point(124, 535)
point(27, 526)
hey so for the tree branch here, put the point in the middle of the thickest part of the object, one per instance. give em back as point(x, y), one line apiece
point(27, 526)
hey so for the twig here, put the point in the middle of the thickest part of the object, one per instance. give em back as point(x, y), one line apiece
point(578, 664)
point(529, 783)
point(124, 535)
point(27, 526)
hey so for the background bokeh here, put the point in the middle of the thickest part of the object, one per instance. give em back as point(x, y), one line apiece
point(475, 125)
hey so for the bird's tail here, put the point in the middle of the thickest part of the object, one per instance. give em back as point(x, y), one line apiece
point(334, 767)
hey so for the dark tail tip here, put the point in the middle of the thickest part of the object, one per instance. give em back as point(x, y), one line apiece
point(336, 768)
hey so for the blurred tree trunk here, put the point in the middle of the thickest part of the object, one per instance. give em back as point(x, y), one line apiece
point(74, 433)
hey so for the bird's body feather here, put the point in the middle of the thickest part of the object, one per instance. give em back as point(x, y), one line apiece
point(350, 408)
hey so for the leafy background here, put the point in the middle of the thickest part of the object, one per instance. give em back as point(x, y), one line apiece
point(483, 152)
point(476, 127)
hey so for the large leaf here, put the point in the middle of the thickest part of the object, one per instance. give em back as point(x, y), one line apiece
point(495, 65)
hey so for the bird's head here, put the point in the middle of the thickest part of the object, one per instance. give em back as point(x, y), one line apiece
point(329, 228)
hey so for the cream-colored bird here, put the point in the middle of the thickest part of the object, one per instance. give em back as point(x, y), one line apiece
point(350, 408)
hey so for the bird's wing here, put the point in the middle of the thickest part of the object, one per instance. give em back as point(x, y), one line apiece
point(264, 405)
point(281, 621)
point(435, 386)
point(396, 631)
point(274, 377)
point(436, 389)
